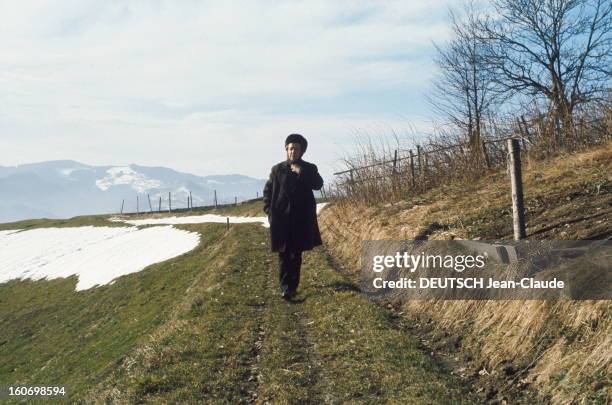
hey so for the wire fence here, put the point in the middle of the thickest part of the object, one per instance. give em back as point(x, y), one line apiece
point(180, 203)
point(411, 171)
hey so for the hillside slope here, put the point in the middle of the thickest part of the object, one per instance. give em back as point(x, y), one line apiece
point(562, 348)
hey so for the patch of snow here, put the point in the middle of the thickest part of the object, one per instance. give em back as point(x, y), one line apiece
point(194, 219)
point(200, 219)
point(2, 233)
point(126, 175)
point(320, 206)
point(214, 182)
point(66, 172)
point(97, 255)
point(182, 190)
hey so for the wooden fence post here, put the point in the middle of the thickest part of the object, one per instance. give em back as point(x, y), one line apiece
point(412, 168)
point(137, 207)
point(486, 156)
point(419, 161)
point(394, 172)
point(522, 126)
point(159, 207)
point(227, 223)
point(215, 199)
point(518, 210)
point(235, 201)
point(169, 201)
point(122, 201)
point(190, 201)
point(150, 206)
point(525, 126)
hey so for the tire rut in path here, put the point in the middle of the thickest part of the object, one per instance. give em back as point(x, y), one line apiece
point(363, 356)
point(287, 372)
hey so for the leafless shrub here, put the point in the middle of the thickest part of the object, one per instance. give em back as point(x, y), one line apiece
point(548, 61)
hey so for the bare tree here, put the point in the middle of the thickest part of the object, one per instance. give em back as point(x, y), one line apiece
point(558, 50)
point(463, 91)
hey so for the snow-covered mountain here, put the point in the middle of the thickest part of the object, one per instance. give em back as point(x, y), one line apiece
point(65, 188)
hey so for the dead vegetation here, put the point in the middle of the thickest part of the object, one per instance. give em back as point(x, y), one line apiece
point(562, 349)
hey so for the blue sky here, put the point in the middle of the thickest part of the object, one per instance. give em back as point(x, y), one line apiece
point(210, 87)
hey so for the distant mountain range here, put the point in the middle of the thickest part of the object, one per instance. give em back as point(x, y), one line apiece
point(65, 188)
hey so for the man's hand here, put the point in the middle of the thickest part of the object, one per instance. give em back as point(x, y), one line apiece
point(295, 168)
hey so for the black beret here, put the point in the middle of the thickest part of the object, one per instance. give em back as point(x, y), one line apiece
point(297, 138)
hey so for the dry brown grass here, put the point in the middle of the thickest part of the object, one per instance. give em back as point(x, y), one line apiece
point(380, 171)
point(563, 349)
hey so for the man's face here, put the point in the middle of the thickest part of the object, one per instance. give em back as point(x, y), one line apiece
point(294, 151)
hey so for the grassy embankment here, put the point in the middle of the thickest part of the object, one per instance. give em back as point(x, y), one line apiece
point(562, 349)
point(209, 326)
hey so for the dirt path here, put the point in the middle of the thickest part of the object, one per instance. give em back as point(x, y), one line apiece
point(236, 341)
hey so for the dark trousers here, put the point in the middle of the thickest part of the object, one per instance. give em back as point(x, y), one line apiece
point(289, 265)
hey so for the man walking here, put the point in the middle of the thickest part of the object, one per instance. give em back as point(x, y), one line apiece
point(292, 213)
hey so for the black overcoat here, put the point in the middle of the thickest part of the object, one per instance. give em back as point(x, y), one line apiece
point(291, 207)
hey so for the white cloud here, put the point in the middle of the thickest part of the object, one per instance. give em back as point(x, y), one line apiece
point(193, 84)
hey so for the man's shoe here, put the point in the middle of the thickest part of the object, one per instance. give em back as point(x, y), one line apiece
point(287, 295)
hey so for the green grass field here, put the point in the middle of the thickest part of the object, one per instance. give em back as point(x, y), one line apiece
point(209, 326)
